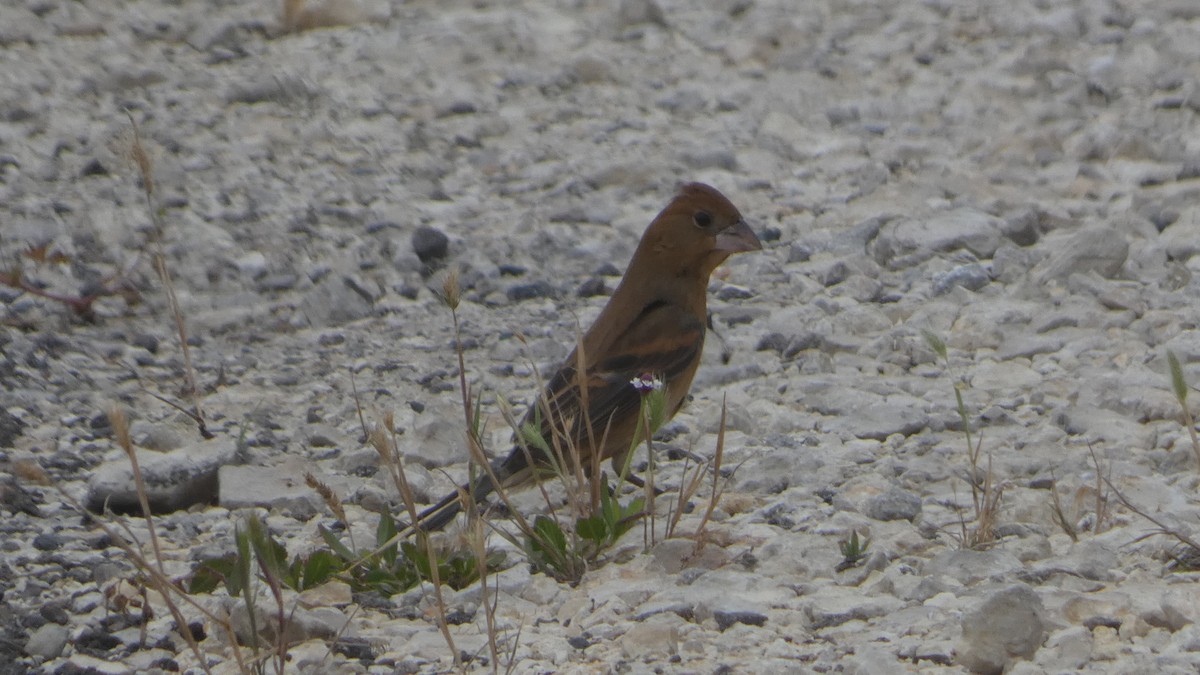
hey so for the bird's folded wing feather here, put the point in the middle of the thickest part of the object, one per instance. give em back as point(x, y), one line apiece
point(663, 341)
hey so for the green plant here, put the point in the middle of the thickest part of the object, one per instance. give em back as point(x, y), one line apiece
point(393, 568)
point(554, 551)
point(986, 494)
point(600, 518)
point(853, 551)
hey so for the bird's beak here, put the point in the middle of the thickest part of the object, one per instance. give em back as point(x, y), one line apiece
point(738, 238)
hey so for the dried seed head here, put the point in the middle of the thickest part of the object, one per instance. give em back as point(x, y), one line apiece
point(120, 425)
point(451, 292)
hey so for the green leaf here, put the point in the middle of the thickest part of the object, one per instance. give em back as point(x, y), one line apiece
point(272, 556)
point(477, 419)
point(594, 528)
point(384, 533)
point(1177, 381)
point(549, 534)
point(239, 582)
point(629, 515)
point(656, 408)
point(211, 573)
point(935, 343)
point(336, 546)
point(319, 567)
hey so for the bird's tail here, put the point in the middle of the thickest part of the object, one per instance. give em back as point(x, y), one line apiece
point(440, 514)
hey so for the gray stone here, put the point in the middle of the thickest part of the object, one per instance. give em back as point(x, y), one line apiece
point(880, 421)
point(971, 277)
point(174, 480)
point(904, 242)
point(430, 244)
point(634, 12)
point(333, 302)
point(321, 623)
point(10, 428)
point(1098, 249)
point(970, 567)
point(893, 505)
point(1028, 346)
point(48, 641)
point(725, 619)
point(276, 487)
point(1007, 625)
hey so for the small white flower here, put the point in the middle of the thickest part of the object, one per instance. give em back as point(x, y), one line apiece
point(646, 383)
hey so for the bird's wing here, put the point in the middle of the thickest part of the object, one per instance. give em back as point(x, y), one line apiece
point(663, 341)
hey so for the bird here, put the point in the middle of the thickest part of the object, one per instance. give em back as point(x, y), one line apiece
point(651, 331)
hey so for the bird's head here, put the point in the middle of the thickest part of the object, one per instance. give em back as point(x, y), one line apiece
point(696, 232)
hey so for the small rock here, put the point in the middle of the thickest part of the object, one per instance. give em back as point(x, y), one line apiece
point(355, 648)
point(711, 159)
point(174, 480)
point(970, 567)
point(798, 252)
point(971, 277)
point(903, 242)
point(1095, 249)
point(253, 264)
point(834, 274)
point(276, 487)
point(592, 287)
point(10, 428)
point(14, 497)
point(731, 292)
point(893, 505)
point(532, 291)
point(47, 541)
point(93, 168)
point(331, 303)
point(1005, 626)
point(1022, 228)
point(726, 619)
point(48, 641)
point(430, 244)
point(145, 341)
point(788, 346)
point(655, 637)
point(634, 12)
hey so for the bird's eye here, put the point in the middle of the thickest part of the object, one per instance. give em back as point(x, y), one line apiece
point(702, 219)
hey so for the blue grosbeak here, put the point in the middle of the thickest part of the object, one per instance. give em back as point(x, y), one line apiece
point(652, 327)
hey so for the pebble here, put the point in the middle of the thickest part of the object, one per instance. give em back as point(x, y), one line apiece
point(1007, 625)
point(47, 642)
point(173, 480)
point(430, 244)
point(893, 505)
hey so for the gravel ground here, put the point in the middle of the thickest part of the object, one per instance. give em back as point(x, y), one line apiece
point(1021, 180)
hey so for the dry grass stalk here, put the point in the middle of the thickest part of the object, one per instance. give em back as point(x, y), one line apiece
point(386, 447)
point(1180, 535)
point(1101, 503)
point(155, 574)
point(329, 497)
point(145, 165)
point(718, 456)
point(1059, 514)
